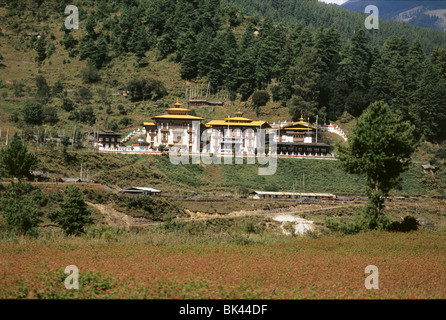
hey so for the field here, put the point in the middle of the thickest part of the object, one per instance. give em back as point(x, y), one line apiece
point(144, 266)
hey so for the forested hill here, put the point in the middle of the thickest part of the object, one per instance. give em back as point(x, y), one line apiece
point(315, 14)
point(156, 49)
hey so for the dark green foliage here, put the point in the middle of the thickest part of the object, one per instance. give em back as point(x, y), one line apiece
point(43, 89)
point(83, 115)
point(57, 89)
point(125, 122)
point(74, 214)
point(320, 58)
point(15, 160)
point(41, 47)
point(304, 77)
point(407, 224)
point(260, 98)
point(68, 41)
point(18, 88)
point(67, 104)
point(33, 113)
point(90, 74)
point(49, 115)
point(142, 89)
point(21, 207)
point(380, 147)
point(429, 109)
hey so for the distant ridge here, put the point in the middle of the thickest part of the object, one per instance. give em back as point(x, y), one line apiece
point(426, 14)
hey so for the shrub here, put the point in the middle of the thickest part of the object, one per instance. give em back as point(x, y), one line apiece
point(408, 224)
point(260, 98)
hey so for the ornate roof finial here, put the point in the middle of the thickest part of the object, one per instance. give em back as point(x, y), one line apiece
point(177, 104)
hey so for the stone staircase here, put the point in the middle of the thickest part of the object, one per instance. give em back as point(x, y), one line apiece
point(133, 134)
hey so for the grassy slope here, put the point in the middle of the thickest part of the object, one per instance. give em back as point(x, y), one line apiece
point(159, 172)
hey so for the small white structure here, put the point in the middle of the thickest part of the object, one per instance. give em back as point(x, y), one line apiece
point(300, 225)
point(290, 195)
point(139, 191)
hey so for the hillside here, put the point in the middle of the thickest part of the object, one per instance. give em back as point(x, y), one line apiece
point(302, 175)
point(71, 82)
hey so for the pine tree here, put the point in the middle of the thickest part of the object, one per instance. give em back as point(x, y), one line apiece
point(15, 160)
point(41, 49)
point(188, 69)
point(388, 78)
point(74, 214)
point(100, 53)
point(19, 209)
point(429, 106)
point(43, 90)
point(247, 63)
point(304, 84)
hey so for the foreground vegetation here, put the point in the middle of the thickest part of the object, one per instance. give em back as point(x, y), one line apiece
point(156, 266)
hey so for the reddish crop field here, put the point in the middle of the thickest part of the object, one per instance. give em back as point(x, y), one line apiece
point(411, 266)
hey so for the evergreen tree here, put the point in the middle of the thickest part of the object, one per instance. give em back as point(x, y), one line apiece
point(15, 160)
point(304, 82)
point(32, 113)
point(388, 78)
point(414, 67)
point(429, 106)
point(353, 76)
point(188, 69)
point(101, 53)
point(356, 62)
point(247, 63)
point(43, 89)
point(19, 209)
point(57, 89)
point(229, 67)
point(269, 47)
point(74, 214)
point(40, 47)
point(90, 26)
point(327, 45)
point(380, 147)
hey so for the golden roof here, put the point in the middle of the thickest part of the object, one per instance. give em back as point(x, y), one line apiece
point(177, 113)
point(149, 124)
point(177, 116)
point(225, 122)
point(305, 125)
point(177, 109)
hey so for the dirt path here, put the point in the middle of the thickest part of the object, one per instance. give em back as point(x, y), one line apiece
point(201, 216)
point(113, 217)
point(116, 218)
